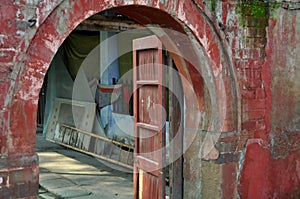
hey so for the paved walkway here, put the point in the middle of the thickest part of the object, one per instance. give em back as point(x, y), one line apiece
point(65, 173)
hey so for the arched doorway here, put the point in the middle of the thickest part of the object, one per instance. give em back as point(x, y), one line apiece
point(213, 69)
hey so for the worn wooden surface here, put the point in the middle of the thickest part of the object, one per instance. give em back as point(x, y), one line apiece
point(149, 105)
point(176, 100)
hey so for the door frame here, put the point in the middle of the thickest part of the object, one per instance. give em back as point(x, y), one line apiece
point(176, 129)
point(146, 157)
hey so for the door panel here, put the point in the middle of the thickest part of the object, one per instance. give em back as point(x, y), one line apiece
point(148, 69)
point(148, 100)
point(149, 119)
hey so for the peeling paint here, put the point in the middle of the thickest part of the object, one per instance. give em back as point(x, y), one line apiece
point(64, 14)
point(32, 2)
point(51, 43)
point(180, 12)
point(236, 68)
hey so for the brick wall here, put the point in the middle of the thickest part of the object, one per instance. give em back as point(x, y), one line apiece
point(268, 101)
point(249, 59)
point(244, 46)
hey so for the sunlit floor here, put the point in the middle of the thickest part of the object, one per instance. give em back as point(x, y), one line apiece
point(65, 173)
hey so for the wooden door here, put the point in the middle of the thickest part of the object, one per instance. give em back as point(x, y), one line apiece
point(149, 119)
point(176, 119)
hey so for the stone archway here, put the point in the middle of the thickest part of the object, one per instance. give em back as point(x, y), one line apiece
point(215, 70)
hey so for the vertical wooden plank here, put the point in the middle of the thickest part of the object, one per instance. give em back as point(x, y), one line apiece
point(149, 102)
point(135, 113)
point(176, 129)
point(161, 100)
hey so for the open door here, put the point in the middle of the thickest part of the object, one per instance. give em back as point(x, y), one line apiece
point(149, 118)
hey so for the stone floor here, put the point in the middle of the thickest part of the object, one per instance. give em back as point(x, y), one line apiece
point(65, 173)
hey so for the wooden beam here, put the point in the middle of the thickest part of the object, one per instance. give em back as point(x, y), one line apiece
point(108, 23)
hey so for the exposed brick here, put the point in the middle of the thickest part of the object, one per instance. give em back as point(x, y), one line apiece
point(261, 32)
point(251, 32)
point(250, 74)
point(254, 32)
point(254, 125)
point(6, 67)
point(227, 125)
point(5, 192)
point(260, 93)
point(250, 86)
point(249, 125)
point(3, 85)
point(226, 146)
point(248, 94)
point(247, 53)
point(228, 170)
point(255, 64)
point(4, 178)
point(253, 115)
point(7, 41)
point(255, 22)
point(260, 42)
point(261, 125)
point(2, 144)
point(261, 134)
point(21, 176)
point(249, 41)
point(253, 104)
point(7, 55)
point(241, 64)
point(227, 158)
point(258, 53)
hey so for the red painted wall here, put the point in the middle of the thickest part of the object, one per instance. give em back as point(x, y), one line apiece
point(271, 166)
point(255, 66)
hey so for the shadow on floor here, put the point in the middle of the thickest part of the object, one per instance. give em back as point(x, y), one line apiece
point(65, 173)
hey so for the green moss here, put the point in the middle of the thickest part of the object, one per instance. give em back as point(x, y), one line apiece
point(273, 9)
point(255, 10)
point(212, 4)
point(252, 13)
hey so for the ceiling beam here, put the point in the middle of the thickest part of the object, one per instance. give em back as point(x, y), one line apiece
point(108, 23)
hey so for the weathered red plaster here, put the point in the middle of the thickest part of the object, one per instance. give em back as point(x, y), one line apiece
point(264, 177)
point(272, 171)
point(254, 182)
point(253, 101)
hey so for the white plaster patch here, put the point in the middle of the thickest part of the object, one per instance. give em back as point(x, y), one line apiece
point(181, 11)
point(148, 102)
point(18, 13)
point(109, 3)
point(48, 6)
point(2, 37)
point(8, 49)
point(143, 2)
point(258, 141)
point(51, 42)
point(63, 15)
point(32, 2)
point(195, 32)
point(217, 71)
point(204, 41)
point(35, 84)
point(207, 150)
point(87, 15)
point(20, 33)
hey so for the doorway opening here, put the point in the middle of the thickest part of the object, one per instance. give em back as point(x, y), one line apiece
point(88, 97)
